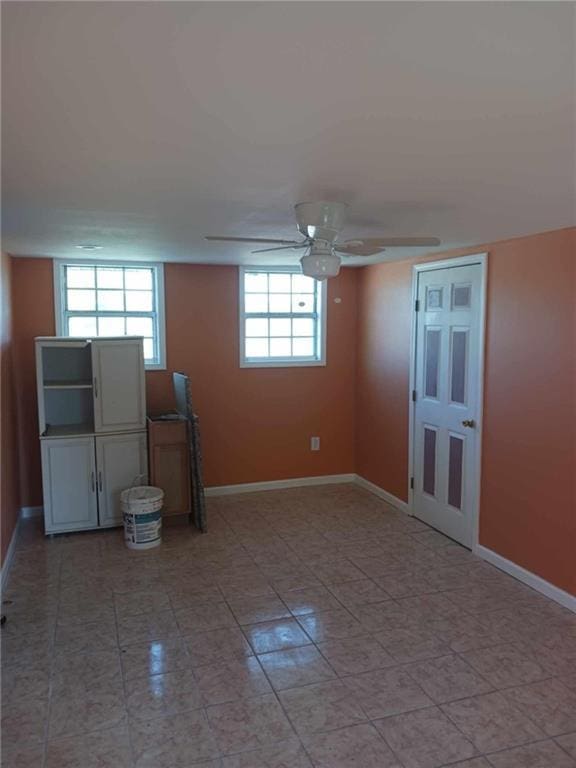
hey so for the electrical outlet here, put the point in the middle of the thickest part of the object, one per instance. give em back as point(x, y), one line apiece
point(314, 443)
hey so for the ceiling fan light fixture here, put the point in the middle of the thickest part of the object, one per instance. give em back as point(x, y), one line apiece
point(320, 264)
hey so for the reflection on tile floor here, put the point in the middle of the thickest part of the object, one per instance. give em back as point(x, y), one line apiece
point(310, 627)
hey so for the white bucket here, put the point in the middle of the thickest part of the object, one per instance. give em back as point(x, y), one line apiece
point(142, 512)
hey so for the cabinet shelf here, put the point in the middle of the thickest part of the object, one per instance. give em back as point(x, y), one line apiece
point(67, 384)
point(69, 430)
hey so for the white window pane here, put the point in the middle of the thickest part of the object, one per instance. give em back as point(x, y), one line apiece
point(303, 347)
point(109, 277)
point(82, 326)
point(139, 326)
point(279, 283)
point(256, 282)
point(81, 300)
point(256, 347)
point(303, 302)
point(303, 284)
point(148, 349)
point(111, 301)
point(138, 279)
point(111, 326)
point(303, 326)
point(256, 326)
point(139, 301)
point(279, 302)
point(280, 326)
point(80, 277)
point(256, 302)
point(280, 348)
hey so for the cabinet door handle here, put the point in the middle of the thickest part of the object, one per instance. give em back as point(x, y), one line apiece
point(100, 481)
point(95, 387)
point(92, 481)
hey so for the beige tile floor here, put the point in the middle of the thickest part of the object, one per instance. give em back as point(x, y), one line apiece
point(310, 627)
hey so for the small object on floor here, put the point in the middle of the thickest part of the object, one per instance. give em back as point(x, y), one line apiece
point(2, 620)
point(142, 513)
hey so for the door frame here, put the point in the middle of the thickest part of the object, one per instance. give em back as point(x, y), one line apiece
point(417, 269)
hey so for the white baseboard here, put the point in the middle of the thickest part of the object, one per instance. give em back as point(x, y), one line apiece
point(529, 578)
point(394, 501)
point(31, 511)
point(274, 485)
point(9, 556)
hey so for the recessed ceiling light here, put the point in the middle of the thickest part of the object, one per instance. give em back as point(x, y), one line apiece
point(89, 247)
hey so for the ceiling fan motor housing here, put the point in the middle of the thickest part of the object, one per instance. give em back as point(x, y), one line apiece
point(320, 220)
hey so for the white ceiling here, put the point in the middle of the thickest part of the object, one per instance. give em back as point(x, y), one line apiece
point(144, 126)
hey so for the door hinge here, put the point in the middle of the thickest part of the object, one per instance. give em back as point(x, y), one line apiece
point(413, 395)
point(417, 306)
point(412, 483)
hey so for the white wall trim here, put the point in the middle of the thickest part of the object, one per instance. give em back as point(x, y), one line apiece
point(31, 512)
point(529, 578)
point(7, 564)
point(273, 485)
point(394, 501)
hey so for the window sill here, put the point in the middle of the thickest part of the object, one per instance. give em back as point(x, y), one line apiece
point(283, 364)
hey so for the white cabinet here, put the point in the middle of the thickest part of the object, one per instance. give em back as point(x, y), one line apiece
point(69, 482)
point(92, 419)
point(120, 462)
point(118, 385)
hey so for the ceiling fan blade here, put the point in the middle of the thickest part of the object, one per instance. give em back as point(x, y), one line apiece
point(369, 246)
point(283, 248)
point(223, 239)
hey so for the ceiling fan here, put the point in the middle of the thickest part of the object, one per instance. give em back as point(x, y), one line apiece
point(320, 224)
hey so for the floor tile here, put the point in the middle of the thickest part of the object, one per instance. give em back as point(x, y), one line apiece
point(93, 636)
point(25, 680)
point(284, 754)
point(549, 704)
point(448, 678)
point(321, 707)
point(337, 572)
point(312, 600)
point(355, 655)
point(359, 746)
point(296, 666)
point(203, 617)
point(176, 741)
point(158, 625)
point(104, 749)
point(405, 645)
point(491, 723)
point(506, 665)
point(251, 610)
point(387, 692)
point(331, 625)
point(358, 592)
point(275, 635)
point(425, 739)
point(383, 616)
point(24, 721)
point(217, 645)
point(145, 601)
point(237, 678)
point(568, 743)
point(154, 657)
point(157, 695)
point(544, 754)
point(22, 756)
point(248, 724)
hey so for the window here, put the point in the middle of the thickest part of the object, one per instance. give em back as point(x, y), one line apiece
point(282, 318)
point(112, 300)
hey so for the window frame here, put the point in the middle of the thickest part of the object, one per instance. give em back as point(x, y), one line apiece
point(282, 362)
point(158, 291)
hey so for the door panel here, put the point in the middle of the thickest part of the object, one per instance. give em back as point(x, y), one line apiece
point(121, 463)
point(447, 373)
point(69, 483)
point(119, 385)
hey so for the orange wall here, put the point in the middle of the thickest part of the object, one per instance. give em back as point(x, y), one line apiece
point(528, 493)
point(8, 434)
point(256, 423)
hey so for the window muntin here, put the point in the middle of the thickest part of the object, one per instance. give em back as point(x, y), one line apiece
point(101, 299)
point(282, 318)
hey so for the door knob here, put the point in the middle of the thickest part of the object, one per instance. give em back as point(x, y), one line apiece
point(469, 423)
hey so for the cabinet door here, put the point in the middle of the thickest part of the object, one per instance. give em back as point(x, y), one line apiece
point(120, 463)
point(69, 483)
point(119, 385)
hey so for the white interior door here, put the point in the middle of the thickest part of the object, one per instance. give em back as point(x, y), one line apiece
point(121, 462)
point(448, 359)
point(118, 385)
point(69, 484)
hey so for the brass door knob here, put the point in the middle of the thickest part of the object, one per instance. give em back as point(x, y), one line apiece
point(469, 423)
